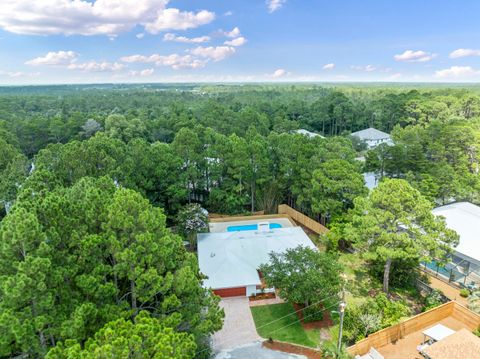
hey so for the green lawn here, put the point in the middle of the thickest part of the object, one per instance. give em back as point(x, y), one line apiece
point(287, 329)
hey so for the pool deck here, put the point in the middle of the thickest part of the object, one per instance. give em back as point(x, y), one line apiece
point(222, 224)
point(448, 290)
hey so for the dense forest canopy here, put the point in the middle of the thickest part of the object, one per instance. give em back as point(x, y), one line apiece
point(92, 177)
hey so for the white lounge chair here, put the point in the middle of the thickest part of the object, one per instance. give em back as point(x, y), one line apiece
point(372, 354)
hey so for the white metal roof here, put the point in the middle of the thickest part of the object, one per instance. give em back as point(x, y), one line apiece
point(231, 259)
point(464, 218)
point(371, 134)
point(308, 133)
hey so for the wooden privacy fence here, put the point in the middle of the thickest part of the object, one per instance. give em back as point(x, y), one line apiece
point(302, 219)
point(419, 322)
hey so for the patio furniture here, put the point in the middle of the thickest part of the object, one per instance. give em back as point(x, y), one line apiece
point(437, 333)
point(422, 347)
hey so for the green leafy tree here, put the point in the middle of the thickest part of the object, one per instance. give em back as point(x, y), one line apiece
point(395, 222)
point(191, 220)
point(145, 337)
point(117, 126)
point(303, 275)
point(335, 184)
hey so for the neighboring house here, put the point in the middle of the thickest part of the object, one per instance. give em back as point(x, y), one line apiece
point(308, 133)
point(232, 252)
point(371, 179)
point(373, 137)
point(464, 268)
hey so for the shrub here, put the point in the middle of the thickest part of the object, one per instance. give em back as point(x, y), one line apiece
point(464, 292)
point(313, 313)
point(371, 316)
point(433, 299)
point(474, 301)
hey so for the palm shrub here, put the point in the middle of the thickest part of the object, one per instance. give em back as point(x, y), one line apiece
point(474, 301)
point(330, 351)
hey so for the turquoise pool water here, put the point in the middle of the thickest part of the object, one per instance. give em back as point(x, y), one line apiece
point(251, 227)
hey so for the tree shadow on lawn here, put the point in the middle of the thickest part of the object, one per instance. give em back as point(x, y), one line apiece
point(280, 322)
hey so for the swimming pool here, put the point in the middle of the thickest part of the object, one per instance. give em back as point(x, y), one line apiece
point(251, 227)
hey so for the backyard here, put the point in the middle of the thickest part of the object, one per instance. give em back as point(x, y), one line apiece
point(280, 322)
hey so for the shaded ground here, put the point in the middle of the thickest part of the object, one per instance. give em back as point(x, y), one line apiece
point(255, 350)
point(326, 322)
point(238, 327)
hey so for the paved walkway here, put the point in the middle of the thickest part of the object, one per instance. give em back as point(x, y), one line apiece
point(238, 327)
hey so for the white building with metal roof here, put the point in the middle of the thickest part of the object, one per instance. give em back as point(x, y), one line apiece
point(230, 259)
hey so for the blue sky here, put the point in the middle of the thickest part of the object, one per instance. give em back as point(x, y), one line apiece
point(66, 41)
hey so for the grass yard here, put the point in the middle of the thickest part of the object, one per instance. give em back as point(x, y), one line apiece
point(287, 329)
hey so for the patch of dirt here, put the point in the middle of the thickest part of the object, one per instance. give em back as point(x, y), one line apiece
point(261, 296)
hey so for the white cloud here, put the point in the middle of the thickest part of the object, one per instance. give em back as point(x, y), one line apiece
point(94, 66)
point(187, 40)
point(274, 5)
point(228, 13)
point(457, 72)
point(330, 66)
point(174, 61)
point(239, 41)
point(367, 68)
point(279, 73)
point(53, 59)
point(174, 19)
point(140, 35)
point(97, 17)
point(464, 53)
point(234, 33)
point(414, 56)
point(216, 53)
point(143, 73)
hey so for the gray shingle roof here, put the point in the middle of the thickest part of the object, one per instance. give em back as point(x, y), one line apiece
point(371, 134)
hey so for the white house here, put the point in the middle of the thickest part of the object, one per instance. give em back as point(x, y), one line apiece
point(373, 137)
point(230, 258)
point(464, 268)
point(308, 133)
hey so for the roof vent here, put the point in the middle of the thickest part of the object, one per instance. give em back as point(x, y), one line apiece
point(212, 254)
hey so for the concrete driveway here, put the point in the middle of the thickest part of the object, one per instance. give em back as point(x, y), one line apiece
point(238, 327)
point(255, 350)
